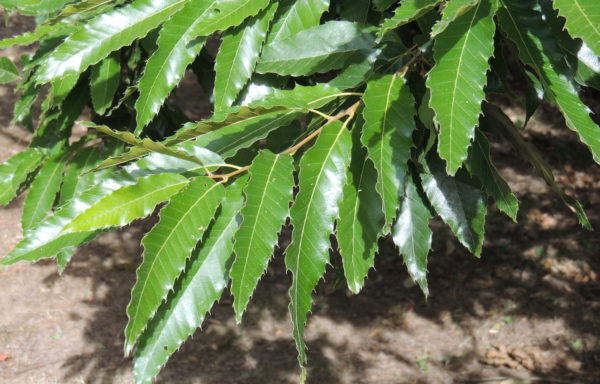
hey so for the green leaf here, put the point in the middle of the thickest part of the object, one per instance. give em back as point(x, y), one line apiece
point(268, 196)
point(104, 82)
point(224, 14)
point(194, 293)
point(496, 121)
point(82, 8)
point(412, 235)
point(460, 205)
point(295, 16)
point(457, 79)
point(322, 48)
point(105, 34)
point(46, 240)
point(538, 49)
point(382, 5)
point(237, 57)
point(583, 20)
point(387, 134)
point(408, 11)
point(30, 37)
point(128, 203)
point(167, 247)
point(43, 190)
point(321, 180)
point(361, 216)
point(15, 170)
point(452, 10)
point(8, 71)
point(75, 179)
point(480, 165)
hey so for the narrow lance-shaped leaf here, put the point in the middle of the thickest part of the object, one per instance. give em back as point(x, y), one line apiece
point(8, 71)
point(322, 48)
point(538, 49)
point(15, 171)
point(43, 190)
point(128, 203)
point(458, 77)
point(227, 13)
point(74, 181)
point(408, 11)
point(452, 10)
point(583, 20)
point(167, 248)
point(322, 177)
point(268, 196)
point(361, 216)
point(480, 165)
point(387, 134)
point(105, 34)
point(496, 121)
point(460, 205)
point(104, 82)
point(194, 293)
point(412, 235)
point(237, 57)
point(295, 16)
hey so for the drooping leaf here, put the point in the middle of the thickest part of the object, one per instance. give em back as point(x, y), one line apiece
point(460, 205)
point(321, 180)
point(237, 57)
point(29, 37)
point(387, 134)
point(268, 196)
point(75, 181)
point(526, 28)
point(452, 10)
point(104, 82)
point(127, 203)
point(456, 81)
point(412, 235)
point(480, 165)
point(194, 293)
point(15, 170)
point(295, 16)
point(83, 7)
point(322, 48)
point(496, 121)
point(167, 248)
point(8, 71)
point(361, 216)
point(583, 20)
point(105, 34)
point(43, 190)
point(408, 11)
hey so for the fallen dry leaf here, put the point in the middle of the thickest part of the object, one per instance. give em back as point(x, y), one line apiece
point(4, 357)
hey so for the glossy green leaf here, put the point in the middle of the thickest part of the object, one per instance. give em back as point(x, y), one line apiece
point(237, 57)
point(412, 235)
point(128, 203)
point(361, 218)
point(82, 8)
point(387, 134)
point(583, 20)
point(460, 205)
point(268, 196)
point(322, 48)
point(104, 81)
point(194, 293)
point(75, 179)
point(321, 180)
point(29, 37)
point(224, 14)
point(480, 165)
point(458, 77)
point(15, 170)
point(452, 10)
point(498, 122)
point(295, 16)
point(408, 11)
point(167, 248)
point(43, 190)
point(540, 51)
point(8, 71)
point(105, 34)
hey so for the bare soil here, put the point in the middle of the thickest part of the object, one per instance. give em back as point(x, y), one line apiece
point(527, 311)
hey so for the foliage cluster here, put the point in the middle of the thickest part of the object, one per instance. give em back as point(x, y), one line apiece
point(360, 119)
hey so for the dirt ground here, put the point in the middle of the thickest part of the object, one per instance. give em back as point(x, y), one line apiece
point(527, 311)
